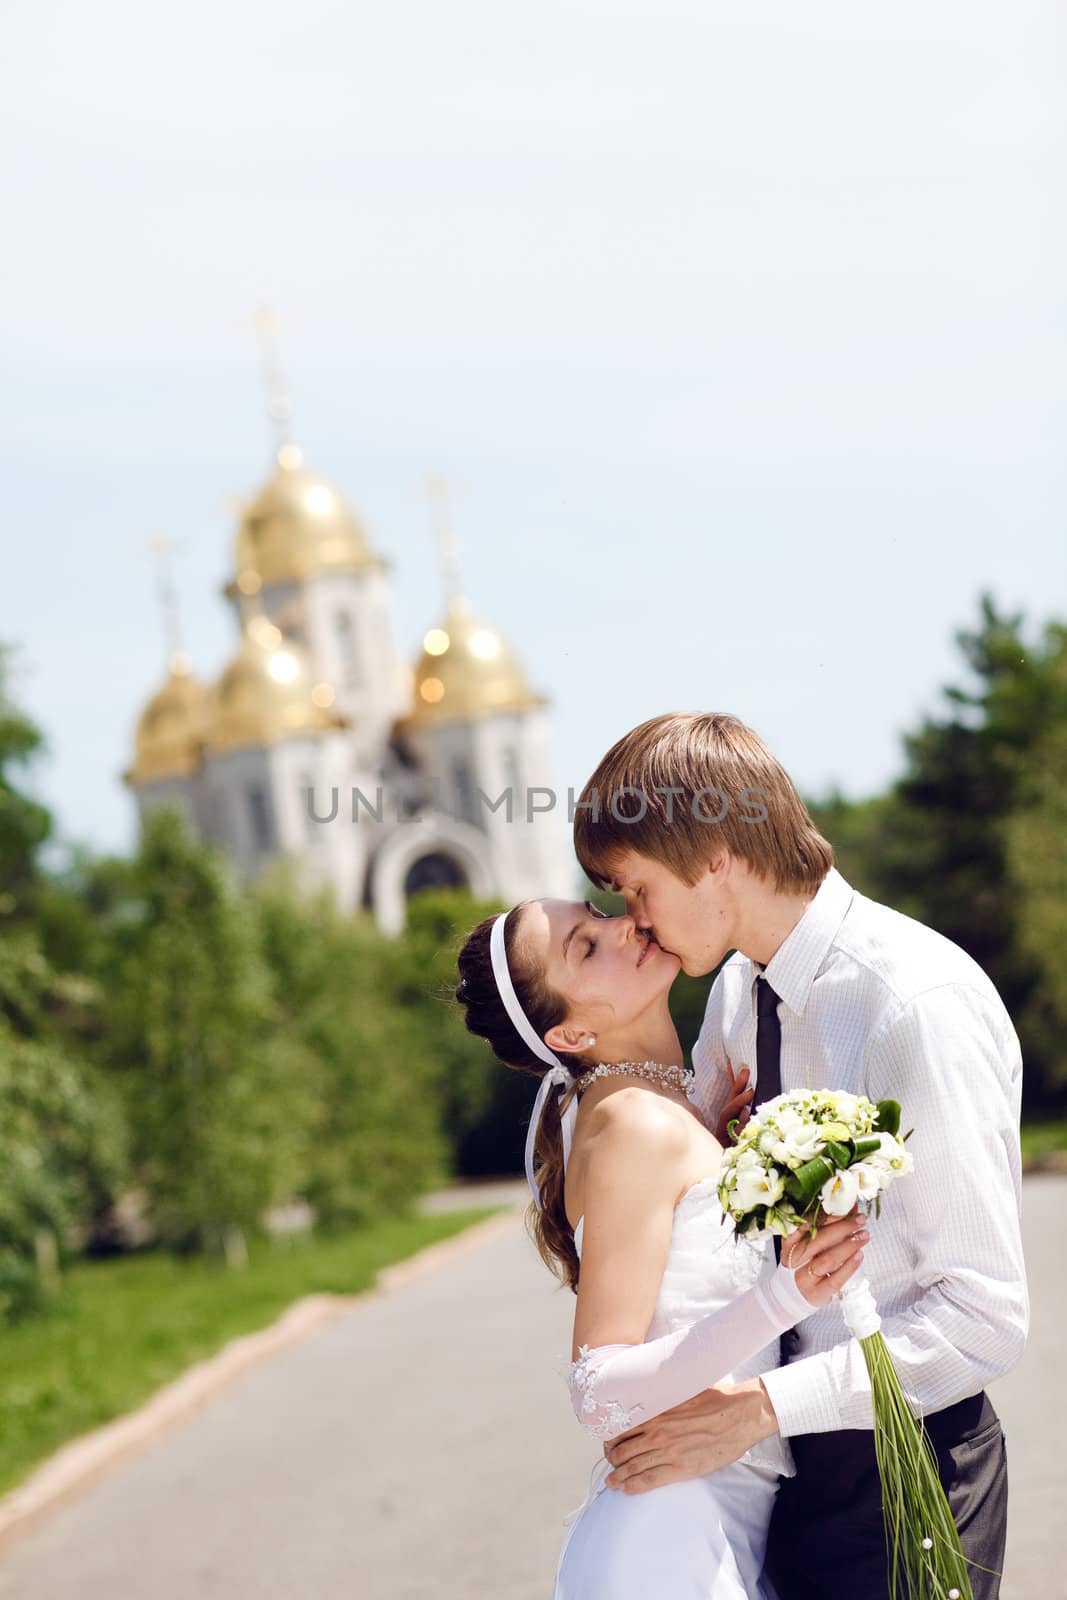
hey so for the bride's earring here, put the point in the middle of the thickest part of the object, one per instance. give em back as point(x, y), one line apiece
point(591, 1041)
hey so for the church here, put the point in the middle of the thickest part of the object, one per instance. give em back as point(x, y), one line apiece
point(376, 775)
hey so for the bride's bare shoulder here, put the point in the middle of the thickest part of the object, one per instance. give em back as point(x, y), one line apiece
point(633, 1151)
point(632, 1122)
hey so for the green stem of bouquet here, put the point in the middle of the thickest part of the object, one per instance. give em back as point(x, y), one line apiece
point(913, 1499)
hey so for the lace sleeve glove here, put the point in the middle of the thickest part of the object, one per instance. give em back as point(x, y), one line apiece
point(615, 1386)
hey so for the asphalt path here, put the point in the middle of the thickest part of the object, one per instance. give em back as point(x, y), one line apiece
point(423, 1445)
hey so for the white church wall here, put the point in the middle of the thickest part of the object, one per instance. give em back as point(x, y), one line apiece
point(349, 633)
point(246, 817)
point(330, 849)
point(485, 771)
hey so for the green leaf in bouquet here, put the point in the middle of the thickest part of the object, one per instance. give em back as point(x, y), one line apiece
point(839, 1154)
point(804, 1184)
point(888, 1119)
point(865, 1147)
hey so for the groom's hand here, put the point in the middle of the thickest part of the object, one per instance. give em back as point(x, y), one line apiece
point(697, 1437)
point(738, 1104)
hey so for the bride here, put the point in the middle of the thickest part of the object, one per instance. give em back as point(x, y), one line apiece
point(624, 1177)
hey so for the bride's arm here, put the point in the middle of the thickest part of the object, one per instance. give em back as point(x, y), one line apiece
point(637, 1163)
point(634, 1176)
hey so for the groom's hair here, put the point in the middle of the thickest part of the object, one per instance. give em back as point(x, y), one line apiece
point(681, 786)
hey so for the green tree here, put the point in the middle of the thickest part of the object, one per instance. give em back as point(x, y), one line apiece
point(62, 1159)
point(939, 846)
point(215, 1090)
point(25, 825)
point(1037, 858)
point(371, 1068)
point(485, 1106)
point(62, 1136)
point(861, 832)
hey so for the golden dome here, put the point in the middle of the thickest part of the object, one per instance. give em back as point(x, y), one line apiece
point(268, 692)
point(466, 671)
point(297, 524)
point(171, 728)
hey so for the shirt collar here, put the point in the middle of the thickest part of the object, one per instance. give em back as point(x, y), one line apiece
point(792, 969)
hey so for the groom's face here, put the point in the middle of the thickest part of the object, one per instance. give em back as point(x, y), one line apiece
point(693, 922)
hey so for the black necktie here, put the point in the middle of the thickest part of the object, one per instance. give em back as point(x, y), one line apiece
point(768, 1064)
point(768, 1044)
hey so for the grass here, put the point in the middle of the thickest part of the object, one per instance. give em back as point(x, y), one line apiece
point(1043, 1139)
point(122, 1328)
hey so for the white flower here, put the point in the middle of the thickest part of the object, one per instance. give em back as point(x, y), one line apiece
point(855, 1110)
point(802, 1144)
point(839, 1193)
point(868, 1179)
point(890, 1157)
point(789, 1121)
point(757, 1187)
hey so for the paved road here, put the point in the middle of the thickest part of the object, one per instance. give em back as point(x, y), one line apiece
point(423, 1446)
point(1032, 1403)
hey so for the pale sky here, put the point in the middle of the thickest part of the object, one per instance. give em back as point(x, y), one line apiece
point(741, 327)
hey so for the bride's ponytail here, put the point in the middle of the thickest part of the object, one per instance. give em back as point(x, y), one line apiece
point(549, 1226)
point(486, 1016)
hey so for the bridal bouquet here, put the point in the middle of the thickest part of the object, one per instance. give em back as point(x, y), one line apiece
point(818, 1152)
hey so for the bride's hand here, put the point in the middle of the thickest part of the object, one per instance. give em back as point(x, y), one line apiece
point(824, 1264)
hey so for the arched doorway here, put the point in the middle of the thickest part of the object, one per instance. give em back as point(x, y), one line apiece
point(434, 870)
point(436, 853)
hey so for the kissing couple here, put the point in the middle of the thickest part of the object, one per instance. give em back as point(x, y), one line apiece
point(733, 1407)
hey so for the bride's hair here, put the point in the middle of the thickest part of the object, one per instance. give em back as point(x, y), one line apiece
point(486, 1016)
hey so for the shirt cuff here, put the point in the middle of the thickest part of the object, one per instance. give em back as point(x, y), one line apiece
point(804, 1397)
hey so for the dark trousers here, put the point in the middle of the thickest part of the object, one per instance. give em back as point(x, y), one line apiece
point(827, 1534)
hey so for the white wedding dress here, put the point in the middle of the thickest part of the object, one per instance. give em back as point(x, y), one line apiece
point(703, 1539)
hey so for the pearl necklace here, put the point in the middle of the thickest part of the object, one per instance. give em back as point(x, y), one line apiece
point(668, 1077)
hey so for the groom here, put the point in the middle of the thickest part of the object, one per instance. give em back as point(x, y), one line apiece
point(692, 819)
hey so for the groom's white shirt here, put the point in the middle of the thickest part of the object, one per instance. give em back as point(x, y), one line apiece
point(876, 1003)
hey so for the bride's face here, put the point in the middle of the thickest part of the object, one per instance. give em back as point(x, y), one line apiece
point(609, 975)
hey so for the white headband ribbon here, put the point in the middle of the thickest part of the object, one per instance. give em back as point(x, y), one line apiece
point(559, 1078)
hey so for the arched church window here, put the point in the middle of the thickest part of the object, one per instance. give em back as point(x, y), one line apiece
point(345, 632)
point(216, 821)
point(309, 801)
point(463, 786)
point(509, 761)
point(260, 816)
point(290, 617)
